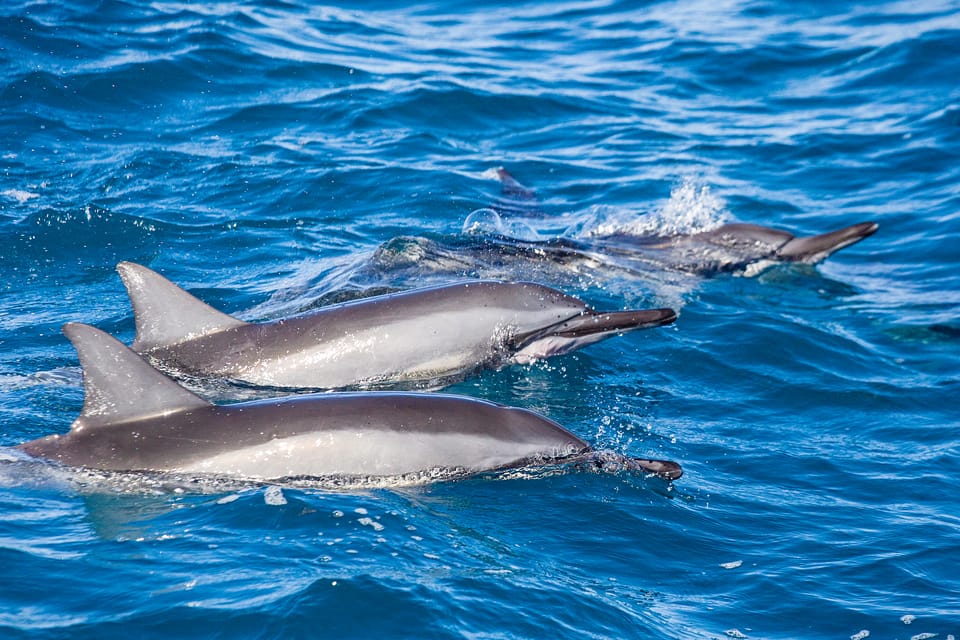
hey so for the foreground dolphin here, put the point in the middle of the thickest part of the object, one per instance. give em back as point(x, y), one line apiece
point(134, 418)
point(431, 335)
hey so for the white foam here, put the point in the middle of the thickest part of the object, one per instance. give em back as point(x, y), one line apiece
point(273, 496)
point(692, 208)
point(59, 377)
point(370, 522)
point(19, 195)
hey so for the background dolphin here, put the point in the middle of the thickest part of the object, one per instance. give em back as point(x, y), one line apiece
point(430, 336)
point(729, 247)
point(733, 247)
point(503, 240)
point(136, 419)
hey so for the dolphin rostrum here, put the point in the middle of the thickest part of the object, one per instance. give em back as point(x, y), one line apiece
point(423, 336)
point(134, 418)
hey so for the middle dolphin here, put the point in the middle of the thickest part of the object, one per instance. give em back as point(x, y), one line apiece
point(425, 337)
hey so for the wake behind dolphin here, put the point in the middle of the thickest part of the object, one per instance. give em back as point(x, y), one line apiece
point(428, 336)
point(134, 418)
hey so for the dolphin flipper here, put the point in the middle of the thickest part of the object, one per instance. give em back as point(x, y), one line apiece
point(164, 313)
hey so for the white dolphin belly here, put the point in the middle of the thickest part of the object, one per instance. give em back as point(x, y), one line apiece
point(398, 351)
point(354, 453)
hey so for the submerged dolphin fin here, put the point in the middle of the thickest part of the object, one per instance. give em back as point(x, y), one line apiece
point(515, 199)
point(164, 313)
point(813, 249)
point(512, 189)
point(118, 384)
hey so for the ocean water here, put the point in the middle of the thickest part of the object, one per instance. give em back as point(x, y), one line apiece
point(274, 155)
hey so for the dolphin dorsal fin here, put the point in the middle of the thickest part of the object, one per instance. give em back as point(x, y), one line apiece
point(164, 313)
point(118, 384)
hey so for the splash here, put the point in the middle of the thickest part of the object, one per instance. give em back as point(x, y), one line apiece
point(692, 208)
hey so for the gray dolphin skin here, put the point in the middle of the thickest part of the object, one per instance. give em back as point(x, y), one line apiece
point(730, 248)
point(134, 418)
point(428, 336)
point(736, 247)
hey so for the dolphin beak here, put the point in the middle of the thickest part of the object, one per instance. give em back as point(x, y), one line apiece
point(666, 469)
point(610, 461)
point(595, 322)
point(583, 329)
point(813, 249)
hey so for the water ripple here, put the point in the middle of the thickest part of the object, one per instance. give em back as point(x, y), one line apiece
point(275, 155)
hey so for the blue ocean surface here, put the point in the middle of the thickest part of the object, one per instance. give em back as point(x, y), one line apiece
point(275, 155)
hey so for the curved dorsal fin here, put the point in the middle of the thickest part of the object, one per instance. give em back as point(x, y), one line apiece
point(118, 384)
point(164, 313)
point(515, 199)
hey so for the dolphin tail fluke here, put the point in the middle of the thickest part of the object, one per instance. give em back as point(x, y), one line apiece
point(813, 249)
point(510, 187)
point(164, 313)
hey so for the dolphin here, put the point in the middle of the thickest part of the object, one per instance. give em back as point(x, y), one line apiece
point(734, 247)
point(424, 336)
point(134, 418)
point(729, 247)
point(497, 240)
